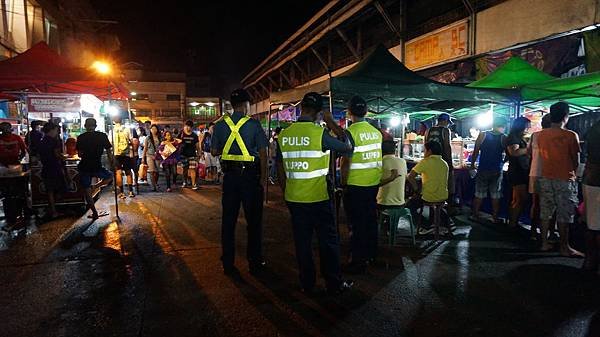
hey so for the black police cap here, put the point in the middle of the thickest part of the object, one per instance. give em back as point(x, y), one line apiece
point(357, 106)
point(239, 96)
point(313, 100)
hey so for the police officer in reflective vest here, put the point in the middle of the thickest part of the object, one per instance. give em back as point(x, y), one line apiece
point(242, 145)
point(303, 162)
point(361, 175)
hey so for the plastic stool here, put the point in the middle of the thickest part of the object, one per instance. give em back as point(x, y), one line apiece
point(395, 214)
point(437, 215)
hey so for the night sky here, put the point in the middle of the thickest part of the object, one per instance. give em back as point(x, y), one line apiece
point(223, 39)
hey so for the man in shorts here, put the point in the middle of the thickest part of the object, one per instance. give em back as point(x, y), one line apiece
point(189, 154)
point(90, 146)
point(441, 133)
point(559, 150)
point(489, 148)
point(123, 151)
point(212, 162)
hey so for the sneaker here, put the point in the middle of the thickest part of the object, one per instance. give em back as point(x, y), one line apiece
point(425, 230)
point(169, 189)
point(131, 194)
point(195, 188)
point(343, 287)
point(184, 185)
point(121, 195)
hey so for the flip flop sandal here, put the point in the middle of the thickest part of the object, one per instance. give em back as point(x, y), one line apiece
point(100, 214)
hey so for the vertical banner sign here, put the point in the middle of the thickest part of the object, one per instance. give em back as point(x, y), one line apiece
point(442, 45)
point(53, 103)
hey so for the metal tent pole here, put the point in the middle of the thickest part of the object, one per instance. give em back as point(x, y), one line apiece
point(112, 127)
point(333, 171)
point(268, 154)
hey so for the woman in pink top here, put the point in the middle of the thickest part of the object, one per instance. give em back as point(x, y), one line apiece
point(535, 172)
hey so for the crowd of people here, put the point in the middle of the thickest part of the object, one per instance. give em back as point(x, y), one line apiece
point(134, 155)
point(373, 178)
point(542, 172)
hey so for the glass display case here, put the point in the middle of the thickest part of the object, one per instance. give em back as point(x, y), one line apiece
point(413, 150)
point(461, 151)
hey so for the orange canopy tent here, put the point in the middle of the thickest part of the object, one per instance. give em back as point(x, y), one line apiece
point(41, 69)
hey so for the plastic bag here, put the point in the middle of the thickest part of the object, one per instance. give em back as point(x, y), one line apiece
point(201, 169)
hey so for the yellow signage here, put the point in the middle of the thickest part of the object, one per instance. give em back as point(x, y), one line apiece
point(445, 44)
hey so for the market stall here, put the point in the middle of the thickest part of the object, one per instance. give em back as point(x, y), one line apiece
point(49, 87)
point(538, 90)
point(69, 111)
point(400, 95)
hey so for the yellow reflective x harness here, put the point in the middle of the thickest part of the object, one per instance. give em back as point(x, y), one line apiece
point(235, 136)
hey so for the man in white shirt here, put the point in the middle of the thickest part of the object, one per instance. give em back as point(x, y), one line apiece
point(391, 189)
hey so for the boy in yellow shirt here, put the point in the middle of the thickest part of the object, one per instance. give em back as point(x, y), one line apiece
point(434, 180)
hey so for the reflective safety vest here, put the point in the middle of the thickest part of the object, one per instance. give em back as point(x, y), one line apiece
point(306, 165)
point(366, 166)
point(236, 136)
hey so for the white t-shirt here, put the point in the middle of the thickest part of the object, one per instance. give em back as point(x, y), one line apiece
point(392, 194)
point(141, 146)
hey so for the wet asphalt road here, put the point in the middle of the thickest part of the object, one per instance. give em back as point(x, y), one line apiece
point(157, 273)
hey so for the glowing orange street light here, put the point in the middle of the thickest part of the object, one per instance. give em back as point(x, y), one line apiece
point(101, 67)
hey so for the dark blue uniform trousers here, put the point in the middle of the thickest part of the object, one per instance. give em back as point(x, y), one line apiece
point(308, 218)
point(242, 188)
point(360, 204)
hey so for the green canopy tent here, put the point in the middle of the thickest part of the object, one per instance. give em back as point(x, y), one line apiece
point(538, 89)
point(391, 88)
point(388, 86)
point(515, 73)
point(583, 91)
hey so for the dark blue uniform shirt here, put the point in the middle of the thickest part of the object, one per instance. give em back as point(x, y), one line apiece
point(252, 133)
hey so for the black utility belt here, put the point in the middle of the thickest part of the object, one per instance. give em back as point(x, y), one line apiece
point(230, 165)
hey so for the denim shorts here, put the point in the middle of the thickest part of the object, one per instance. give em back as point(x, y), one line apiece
point(85, 178)
point(488, 181)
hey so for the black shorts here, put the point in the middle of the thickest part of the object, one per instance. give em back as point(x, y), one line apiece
point(124, 163)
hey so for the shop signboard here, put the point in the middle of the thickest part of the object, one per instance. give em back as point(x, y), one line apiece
point(55, 104)
point(442, 45)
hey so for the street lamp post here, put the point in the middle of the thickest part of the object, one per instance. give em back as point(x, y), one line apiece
point(104, 69)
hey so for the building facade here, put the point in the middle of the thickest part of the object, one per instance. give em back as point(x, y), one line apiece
point(450, 41)
point(203, 110)
point(68, 26)
point(155, 96)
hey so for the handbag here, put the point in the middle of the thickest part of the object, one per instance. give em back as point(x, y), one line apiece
point(143, 171)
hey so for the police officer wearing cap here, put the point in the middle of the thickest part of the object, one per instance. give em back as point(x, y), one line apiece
point(303, 162)
point(441, 133)
point(361, 175)
point(242, 145)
